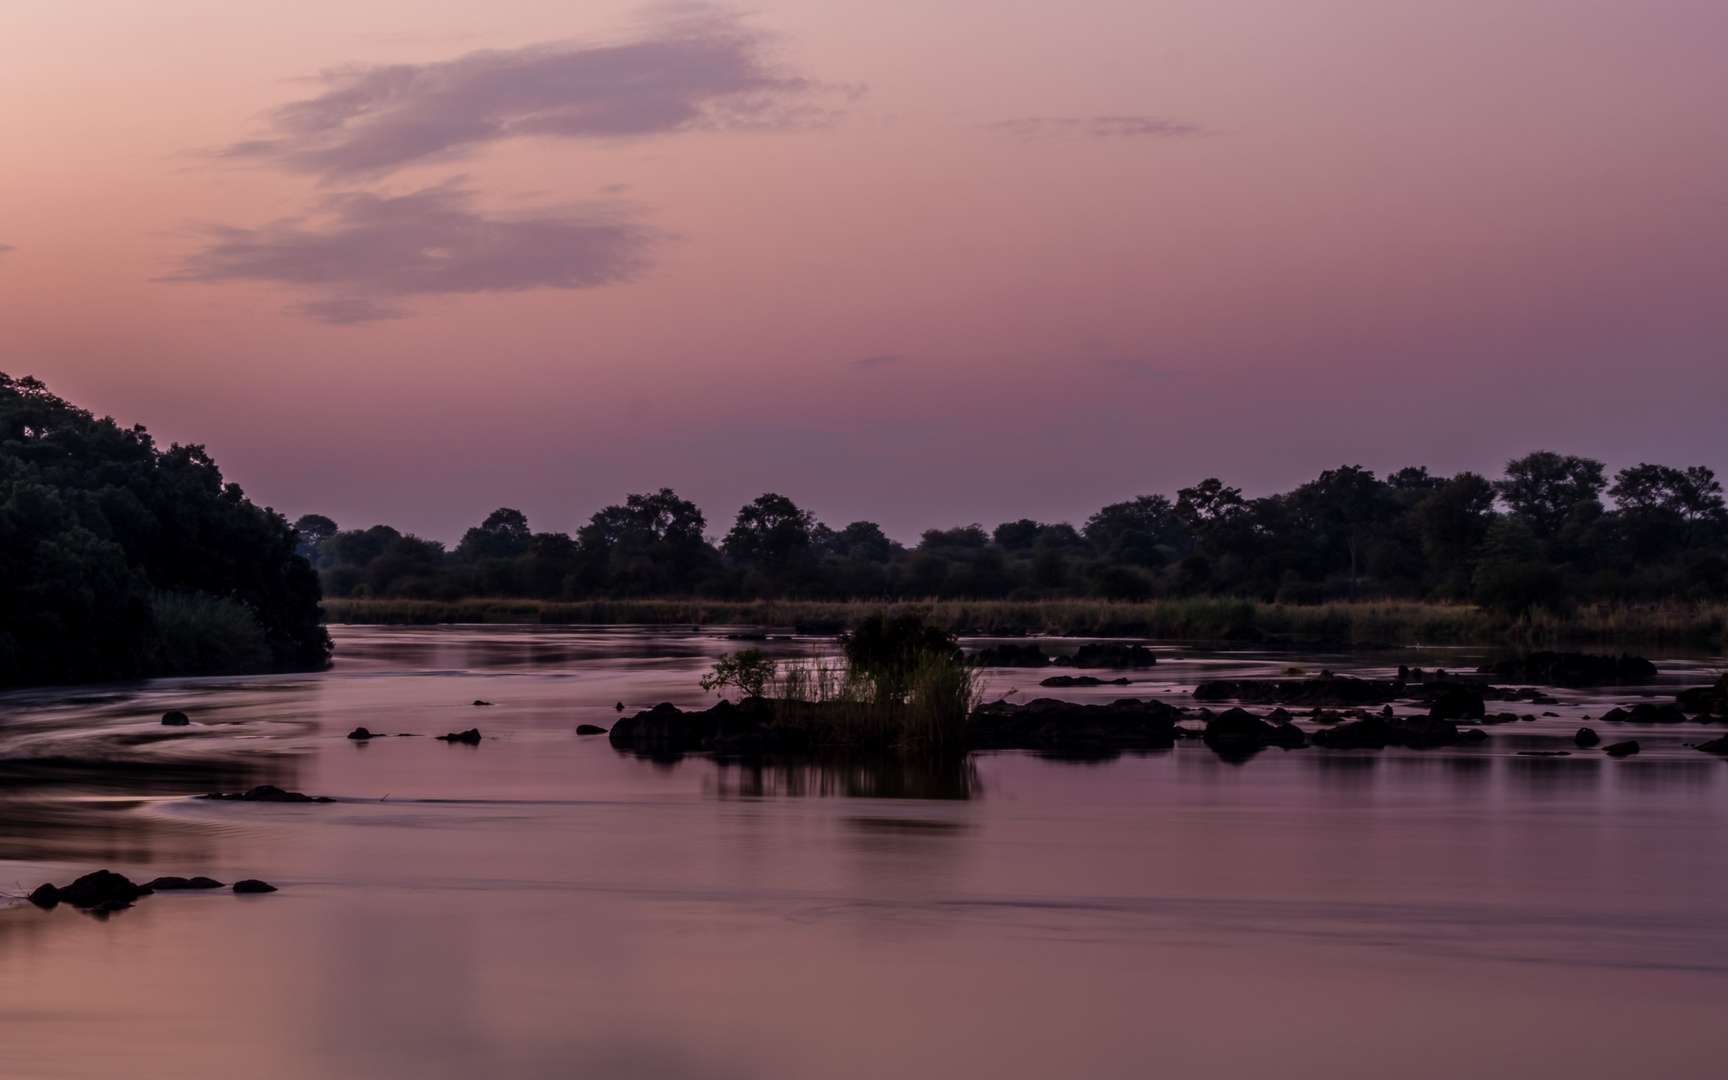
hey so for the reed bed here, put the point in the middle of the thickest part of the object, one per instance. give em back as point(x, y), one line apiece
point(1398, 622)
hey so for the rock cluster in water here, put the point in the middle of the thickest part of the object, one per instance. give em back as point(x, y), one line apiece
point(1574, 669)
point(104, 891)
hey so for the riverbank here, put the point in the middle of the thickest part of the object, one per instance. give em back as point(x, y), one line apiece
point(1393, 622)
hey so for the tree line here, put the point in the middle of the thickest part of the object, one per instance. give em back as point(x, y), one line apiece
point(120, 559)
point(1541, 535)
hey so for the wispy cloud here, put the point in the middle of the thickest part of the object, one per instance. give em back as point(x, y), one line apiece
point(702, 69)
point(366, 253)
point(1097, 127)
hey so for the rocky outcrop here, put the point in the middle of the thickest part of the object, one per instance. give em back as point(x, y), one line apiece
point(1327, 690)
point(590, 729)
point(265, 793)
point(1237, 734)
point(1061, 681)
point(1645, 713)
point(1049, 723)
point(1014, 656)
point(1705, 700)
point(172, 884)
point(1574, 669)
point(1377, 733)
point(175, 718)
point(253, 885)
point(471, 737)
point(1111, 655)
point(1586, 737)
point(1458, 703)
point(1621, 749)
point(102, 889)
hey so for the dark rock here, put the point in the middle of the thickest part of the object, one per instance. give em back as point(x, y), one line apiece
point(1327, 690)
point(1705, 699)
point(590, 729)
point(1714, 746)
point(471, 737)
point(1080, 680)
point(1458, 703)
point(1015, 656)
point(253, 885)
point(169, 884)
point(1647, 713)
point(1586, 737)
point(619, 707)
point(266, 793)
point(361, 734)
point(1377, 733)
point(175, 718)
point(1621, 749)
point(1112, 655)
point(1472, 735)
point(100, 888)
point(1048, 722)
point(1614, 716)
point(1500, 718)
point(45, 896)
point(477, 701)
point(1575, 669)
point(1238, 734)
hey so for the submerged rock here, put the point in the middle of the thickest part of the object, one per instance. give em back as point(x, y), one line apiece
point(175, 718)
point(477, 701)
point(1237, 734)
point(361, 734)
point(253, 885)
point(1715, 746)
point(1053, 723)
point(1645, 713)
point(1586, 737)
point(266, 793)
point(471, 737)
point(1621, 749)
point(590, 729)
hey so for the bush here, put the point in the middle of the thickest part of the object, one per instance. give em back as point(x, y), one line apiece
point(200, 634)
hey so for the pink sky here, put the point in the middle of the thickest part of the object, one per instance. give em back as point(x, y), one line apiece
point(920, 263)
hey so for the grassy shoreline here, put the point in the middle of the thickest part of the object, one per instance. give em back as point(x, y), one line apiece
point(1390, 621)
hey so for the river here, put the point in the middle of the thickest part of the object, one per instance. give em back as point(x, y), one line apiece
point(542, 905)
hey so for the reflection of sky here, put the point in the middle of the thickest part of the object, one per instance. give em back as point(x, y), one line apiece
point(541, 905)
point(406, 263)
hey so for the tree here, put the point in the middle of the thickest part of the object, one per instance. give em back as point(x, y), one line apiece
point(1657, 499)
point(503, 535)
point(653, 544)
point(1344, 502)
point(1016, 535)
point(1133, 531)
point(1453, 522)
point(312, 529)
point(770, 533)
point(964, 536)
point(1545, 489)
point(864, 541)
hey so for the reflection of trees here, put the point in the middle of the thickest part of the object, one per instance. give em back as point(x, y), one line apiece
point(856, 775)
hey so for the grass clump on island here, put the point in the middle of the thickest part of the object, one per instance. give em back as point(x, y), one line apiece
point(1402, 622)
point(899, 682)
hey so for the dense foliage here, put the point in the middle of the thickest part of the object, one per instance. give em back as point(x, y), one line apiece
point(119, 559)
point(1541, 536)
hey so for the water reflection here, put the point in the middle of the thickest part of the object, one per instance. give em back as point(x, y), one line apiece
point(857, 775)
point(1554, 776)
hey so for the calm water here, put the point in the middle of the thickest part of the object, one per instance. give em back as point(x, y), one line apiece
point(543, 906)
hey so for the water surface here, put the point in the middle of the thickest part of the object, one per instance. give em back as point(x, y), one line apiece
point(544, 906)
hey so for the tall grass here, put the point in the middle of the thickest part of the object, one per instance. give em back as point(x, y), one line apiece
point(838, 703)
point(1198, 618)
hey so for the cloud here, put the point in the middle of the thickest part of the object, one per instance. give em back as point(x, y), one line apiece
point(4, 248)
point(1097, 127)
point(371, 250)
point(877, 361)
point(703, 69)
